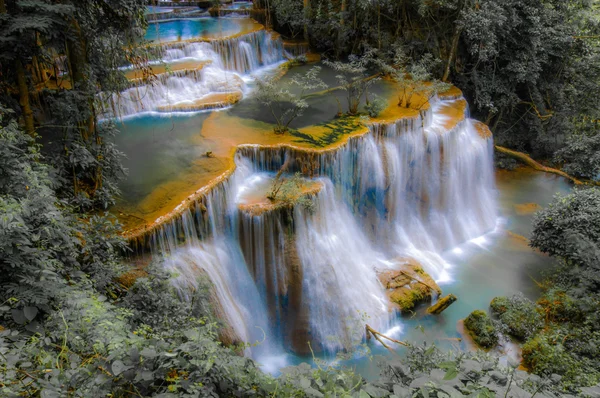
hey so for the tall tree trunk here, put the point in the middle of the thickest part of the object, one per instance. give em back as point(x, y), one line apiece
point(306, 18)
point(453, 50)
point(24, 97)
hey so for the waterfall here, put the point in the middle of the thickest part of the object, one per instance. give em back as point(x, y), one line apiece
point(339, 265)
point(220, 65)
point(412, 188)
point(417, 187)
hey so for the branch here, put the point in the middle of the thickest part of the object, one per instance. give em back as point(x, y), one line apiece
point(370, 331)
point(523, 157)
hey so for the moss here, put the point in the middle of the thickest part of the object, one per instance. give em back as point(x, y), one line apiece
point(407, 298)
point(481, 328)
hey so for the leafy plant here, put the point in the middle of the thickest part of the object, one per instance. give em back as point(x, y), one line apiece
point(518, 314)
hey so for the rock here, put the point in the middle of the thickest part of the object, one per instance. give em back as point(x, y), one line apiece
point(441, 305)
point(479, 325)
point(408, 285)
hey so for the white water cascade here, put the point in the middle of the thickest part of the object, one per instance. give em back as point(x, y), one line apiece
point(410, 189)
point(216, 67)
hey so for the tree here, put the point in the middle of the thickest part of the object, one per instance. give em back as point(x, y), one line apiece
point(412, 77)
point(86, 41)
point(580, 156)
point(285, 104)
point(352, 78)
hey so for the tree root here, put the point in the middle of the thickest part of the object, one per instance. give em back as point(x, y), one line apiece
point(523, 157)
point(372, 332)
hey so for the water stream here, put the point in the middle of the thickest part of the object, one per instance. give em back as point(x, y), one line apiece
point(422, 188)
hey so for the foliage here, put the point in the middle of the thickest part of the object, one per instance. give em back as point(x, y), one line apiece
point(528, 68)
point(518, 314)
point(284, 104)
point(58, 57)
point(352, 78)
point(580, 156)
point(290, 14)
point(568, 344)
point(37, 238)
point(570, 227)
point(481, 327)
point(415, 79)
point(375, 105)
point(290, 191)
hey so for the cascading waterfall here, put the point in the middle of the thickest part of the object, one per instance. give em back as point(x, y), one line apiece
point(342, 290)
point(412, 199)
point(220, 66)
point(288, 276)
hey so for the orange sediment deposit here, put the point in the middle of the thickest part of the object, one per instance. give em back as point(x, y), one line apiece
point(211, 101)
point(159, 69)
point(523, 209)
point(223, 134)
point(482, 129)
point(454, 113)
point(264, 204)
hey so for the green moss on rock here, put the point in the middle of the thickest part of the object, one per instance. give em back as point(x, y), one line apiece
point(482, 329)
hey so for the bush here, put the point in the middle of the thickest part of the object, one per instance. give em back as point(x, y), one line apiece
point(375, 106)
point(546, 355)
point(482, 329)
point(518, 314)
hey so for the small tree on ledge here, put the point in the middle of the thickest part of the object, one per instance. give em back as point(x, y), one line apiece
point(413, 78)
point(285, 105)
point(352, 78)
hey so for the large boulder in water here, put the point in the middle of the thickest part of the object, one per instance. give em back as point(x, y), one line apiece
point(408, 285)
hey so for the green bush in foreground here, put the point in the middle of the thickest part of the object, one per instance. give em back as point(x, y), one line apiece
point(518, 314)
point(482, 329)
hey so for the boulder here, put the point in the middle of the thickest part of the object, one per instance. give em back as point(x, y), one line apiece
point(408, 285)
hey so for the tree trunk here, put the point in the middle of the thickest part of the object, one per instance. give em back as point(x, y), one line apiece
point(306, 18)
point(453, 50)
point(24, 97)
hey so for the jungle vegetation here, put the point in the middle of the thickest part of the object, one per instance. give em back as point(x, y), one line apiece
point(76, 321)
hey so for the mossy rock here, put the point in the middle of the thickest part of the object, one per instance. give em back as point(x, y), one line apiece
point(519, 314)
point(409, 285)
point(479, 325)
point(408, 298)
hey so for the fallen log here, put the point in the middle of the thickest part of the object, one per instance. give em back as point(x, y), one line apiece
point(442, 304)
point(523, 157)
point(372, 332)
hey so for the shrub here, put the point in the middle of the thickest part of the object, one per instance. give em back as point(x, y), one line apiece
point(518, 314)
point(482, 329)
point(375, 106)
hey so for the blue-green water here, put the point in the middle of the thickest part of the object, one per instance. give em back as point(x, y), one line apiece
point(184, 29)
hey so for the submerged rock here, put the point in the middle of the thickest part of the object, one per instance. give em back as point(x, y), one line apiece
point(408, 285)
point(524, 209)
